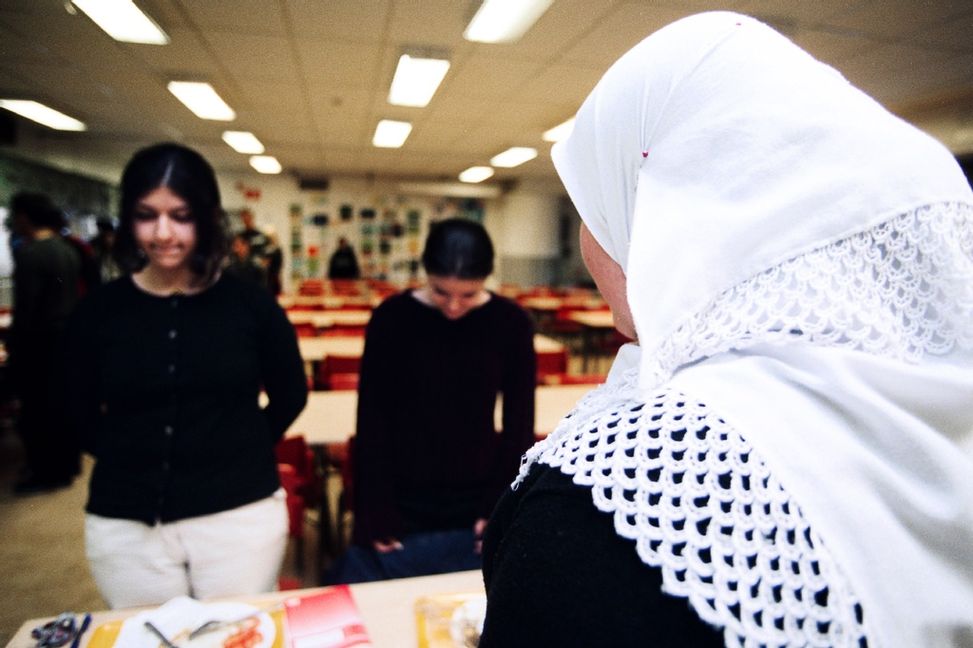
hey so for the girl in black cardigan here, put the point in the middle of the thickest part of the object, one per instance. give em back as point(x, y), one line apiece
point(164, 369)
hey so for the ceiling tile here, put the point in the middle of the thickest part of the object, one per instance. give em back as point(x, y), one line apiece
point(251, 16)
point(254, 55)
point(341, 21)
point(918, 72)
point(186, 56)
point(616, 33)
point(832, 48)
point(331, 64)
point(488, 78)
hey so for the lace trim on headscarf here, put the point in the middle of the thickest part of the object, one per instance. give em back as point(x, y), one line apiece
point(701, 505)
point(892, 291)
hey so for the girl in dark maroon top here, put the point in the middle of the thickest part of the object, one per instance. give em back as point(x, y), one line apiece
point(429, 463)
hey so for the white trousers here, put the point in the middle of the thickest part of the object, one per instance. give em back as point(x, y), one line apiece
point(235, 552)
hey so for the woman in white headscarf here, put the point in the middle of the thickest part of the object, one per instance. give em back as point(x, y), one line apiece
point(788, 448)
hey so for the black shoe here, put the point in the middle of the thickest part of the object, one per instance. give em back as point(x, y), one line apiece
point(36, 486)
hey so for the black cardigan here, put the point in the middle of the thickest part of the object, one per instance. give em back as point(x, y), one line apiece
point(163, 392)
point(427, 453)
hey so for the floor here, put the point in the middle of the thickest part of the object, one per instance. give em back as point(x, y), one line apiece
point(42, 562)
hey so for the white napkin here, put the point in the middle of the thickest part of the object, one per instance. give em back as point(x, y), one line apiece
point(179, 616)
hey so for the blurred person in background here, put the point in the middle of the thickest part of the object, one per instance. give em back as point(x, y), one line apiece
point(47, 277)
point(242, 264)
point(255, 237)
point(273, 261)
point(343, 263)
point(102, 245)
point(163, 373)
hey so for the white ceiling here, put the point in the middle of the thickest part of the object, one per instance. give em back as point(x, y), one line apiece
point(310, 77)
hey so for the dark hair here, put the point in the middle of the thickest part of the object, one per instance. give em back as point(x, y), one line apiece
point(187, 174)
point(37, 209)
point(104, 224)
point(459, 248)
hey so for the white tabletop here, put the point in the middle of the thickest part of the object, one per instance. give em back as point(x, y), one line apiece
point(314, 349)
point(593, 319)
point(330, 416)
point(327, 301)
point(329, 318)
point(386, 607)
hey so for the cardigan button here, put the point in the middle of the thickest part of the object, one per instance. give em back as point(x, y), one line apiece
point(169, 430)
point(172, 334)
point(172, 368)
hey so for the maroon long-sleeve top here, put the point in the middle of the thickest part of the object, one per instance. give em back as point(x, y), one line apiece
point(427, 452)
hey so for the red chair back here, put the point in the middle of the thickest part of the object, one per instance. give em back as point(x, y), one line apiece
point(332, 366)
point(555, 362)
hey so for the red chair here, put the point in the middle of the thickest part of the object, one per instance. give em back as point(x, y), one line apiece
point(311, 287)
point(305, 330)
point(553, 362)
point(573, 379)
point(303, 484)
point(331, 366)
point(343, 382)
point(339, 457)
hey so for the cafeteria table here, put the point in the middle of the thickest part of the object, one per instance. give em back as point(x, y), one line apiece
point(593, 323)
point(387, 608)
point(330, 416)
point(315, 349)
point(325, 302)
point(329, 318)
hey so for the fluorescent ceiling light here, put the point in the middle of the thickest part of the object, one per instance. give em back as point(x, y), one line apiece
point(42, 114)
point(504, 21)
point(123, 21)
point(513, 157)
point(391, 134)
point(416, 80)
point(265, 164)
point(476, 174)
point(243, 142)
point(202, 99)
point(559, 132)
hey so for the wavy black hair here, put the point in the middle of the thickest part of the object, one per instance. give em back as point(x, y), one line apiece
point(188, 175)
point(38, 209)
point(458, 247)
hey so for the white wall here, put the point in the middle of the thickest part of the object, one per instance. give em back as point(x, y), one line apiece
point(525, 230)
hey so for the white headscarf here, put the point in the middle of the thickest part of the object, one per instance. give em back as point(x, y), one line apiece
point(800, 260)
point(716, 149)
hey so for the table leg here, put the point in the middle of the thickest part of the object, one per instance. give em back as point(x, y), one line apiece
point(326, 542)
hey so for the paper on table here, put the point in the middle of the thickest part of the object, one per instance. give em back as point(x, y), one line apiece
point(180, 616)
point(326, 619)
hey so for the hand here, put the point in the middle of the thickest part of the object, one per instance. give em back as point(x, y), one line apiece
point(387, 546)
point(478, 528)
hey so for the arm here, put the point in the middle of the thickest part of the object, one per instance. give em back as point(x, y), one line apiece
point(376, 515)
point(281, 368)
point(78, 376)
point(27, 293)
point(519, 383)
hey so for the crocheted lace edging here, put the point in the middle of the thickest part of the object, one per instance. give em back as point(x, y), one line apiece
point(701, 505)
point(901, 289)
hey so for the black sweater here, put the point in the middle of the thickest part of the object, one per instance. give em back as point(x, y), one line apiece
point(163, 392)
point(427, 454)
